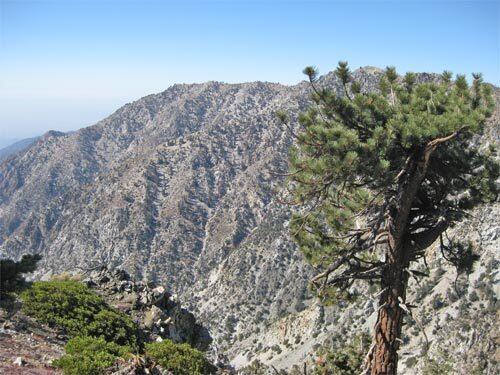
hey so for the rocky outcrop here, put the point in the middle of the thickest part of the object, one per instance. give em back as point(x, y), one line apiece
point(158, 314)
point(29, 347)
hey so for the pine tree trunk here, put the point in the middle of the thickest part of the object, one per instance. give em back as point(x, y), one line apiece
point(387, 335)
point(390, 319)
point(384, 358)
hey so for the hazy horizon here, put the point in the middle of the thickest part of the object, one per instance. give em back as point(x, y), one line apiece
point(67, 65)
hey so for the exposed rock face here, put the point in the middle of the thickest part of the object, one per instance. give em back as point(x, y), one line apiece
point(16, 148)
point(177, 187)
point(158, 314)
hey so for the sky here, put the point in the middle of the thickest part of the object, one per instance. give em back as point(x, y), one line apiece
point(67, 64)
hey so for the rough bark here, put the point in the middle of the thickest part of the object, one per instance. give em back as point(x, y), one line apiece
point(390, 314)
point(384, 359)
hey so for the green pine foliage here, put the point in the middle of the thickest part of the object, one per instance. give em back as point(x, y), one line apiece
point(11, 272)
point(73, 307)
point(89, 356)
point(379, 177)
point(180, 359)
point(351, 150)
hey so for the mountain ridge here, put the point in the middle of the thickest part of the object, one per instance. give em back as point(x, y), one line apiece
point(16, 147)
point(177, 187)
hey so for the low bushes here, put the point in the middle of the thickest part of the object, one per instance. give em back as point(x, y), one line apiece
point(74, 308)
point(101, 334)
point(181, 359)
point(89, 356)
point(343, 358)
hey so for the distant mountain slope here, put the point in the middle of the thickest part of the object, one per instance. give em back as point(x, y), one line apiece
point(170, 187)
point(16, 147)
point(178, 187)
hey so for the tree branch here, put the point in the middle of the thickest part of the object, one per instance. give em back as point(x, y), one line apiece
point(426, 238)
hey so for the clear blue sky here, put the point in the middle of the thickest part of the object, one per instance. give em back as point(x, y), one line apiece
point(67, 64)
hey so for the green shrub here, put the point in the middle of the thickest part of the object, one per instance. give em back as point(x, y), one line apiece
point(181, 359)
point(89, 356)
point(473, 297)
point(437, 302)
point(442, 364)
point(411, 362)
point(114, 326)
point(343, 358)
point(254, 368)
point(77, 310)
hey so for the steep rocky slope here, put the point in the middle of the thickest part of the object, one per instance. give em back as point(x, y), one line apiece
point(177, 187)
point(16, 147)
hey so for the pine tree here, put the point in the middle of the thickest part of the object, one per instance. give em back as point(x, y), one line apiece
point(11, 272)
point(379, 177)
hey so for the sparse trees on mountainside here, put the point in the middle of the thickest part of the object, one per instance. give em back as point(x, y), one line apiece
point(379, 177)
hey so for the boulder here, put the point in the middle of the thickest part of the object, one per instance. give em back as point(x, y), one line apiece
point(19, 362)
point(157, 313)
